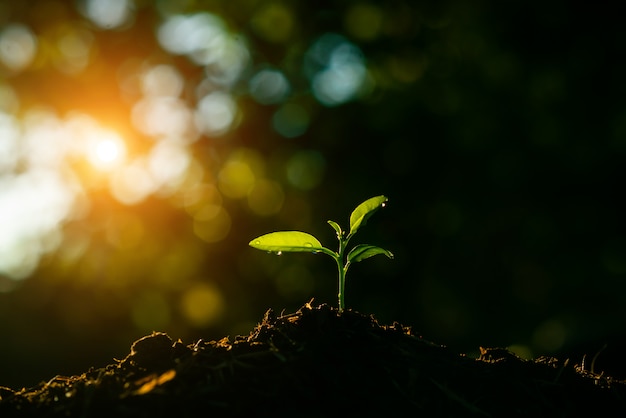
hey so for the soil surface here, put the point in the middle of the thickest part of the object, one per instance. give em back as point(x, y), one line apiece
point(320, 362)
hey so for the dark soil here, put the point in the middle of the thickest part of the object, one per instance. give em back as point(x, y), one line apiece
point(319, 362)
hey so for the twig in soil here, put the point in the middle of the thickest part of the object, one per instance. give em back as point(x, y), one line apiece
point(593, 360)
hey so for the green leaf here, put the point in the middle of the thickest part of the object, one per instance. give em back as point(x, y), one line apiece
point(363, 251)
point(362, 212)
point(337, 229)
point(288, 241)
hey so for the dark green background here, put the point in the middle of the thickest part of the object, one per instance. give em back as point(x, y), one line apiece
point(503, 162)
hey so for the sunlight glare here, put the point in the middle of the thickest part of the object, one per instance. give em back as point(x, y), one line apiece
point(206, 41)
point(164, 116)
point(216, 113)
point(161, 112)
point(132, 183)
point(188, 34)
point(44, 141)
point(18, 46)
point(9, 132)
point(33, 205)
point(168, 163)
point(162, 80)
point(106, 151)
point(108, 14)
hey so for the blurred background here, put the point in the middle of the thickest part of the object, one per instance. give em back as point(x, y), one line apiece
point(144, 144)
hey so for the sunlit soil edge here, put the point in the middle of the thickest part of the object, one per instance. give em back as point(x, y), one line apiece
point(319, 361)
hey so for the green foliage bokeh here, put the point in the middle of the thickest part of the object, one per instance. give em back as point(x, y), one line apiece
point(497, 131)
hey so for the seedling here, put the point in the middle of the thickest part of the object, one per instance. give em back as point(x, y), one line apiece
point(296, 241)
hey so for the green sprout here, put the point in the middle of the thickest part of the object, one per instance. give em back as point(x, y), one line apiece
point(296, 241)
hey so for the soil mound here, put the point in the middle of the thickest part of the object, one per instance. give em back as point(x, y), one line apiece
point(319, 362)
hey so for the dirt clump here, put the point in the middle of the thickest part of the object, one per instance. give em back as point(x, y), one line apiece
point(319, 362)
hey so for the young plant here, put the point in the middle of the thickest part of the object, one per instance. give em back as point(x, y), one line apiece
point(296, 241)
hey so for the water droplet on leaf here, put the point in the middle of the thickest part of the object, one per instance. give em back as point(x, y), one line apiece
point(257, 242)
point(308, 244)
point(279, 253)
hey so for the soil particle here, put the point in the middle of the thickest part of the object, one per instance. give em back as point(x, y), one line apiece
point(319, 362)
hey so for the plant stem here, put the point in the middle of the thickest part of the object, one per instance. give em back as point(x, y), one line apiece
point(342, 272)
point(342, 284)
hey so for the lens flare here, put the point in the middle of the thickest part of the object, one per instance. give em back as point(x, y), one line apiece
point(106, 150)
